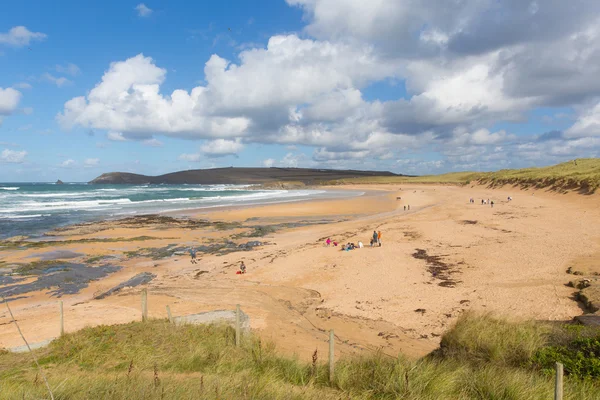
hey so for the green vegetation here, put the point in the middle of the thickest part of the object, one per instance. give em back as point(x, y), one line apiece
point(480, 358)
point(21, 245)
point(582, 175)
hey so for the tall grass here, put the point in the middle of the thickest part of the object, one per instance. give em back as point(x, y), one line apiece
point(481, 358)
point(584, 175)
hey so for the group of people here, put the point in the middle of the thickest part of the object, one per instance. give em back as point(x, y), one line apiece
point(407, 207)
point(484, 202)
point(375, 241)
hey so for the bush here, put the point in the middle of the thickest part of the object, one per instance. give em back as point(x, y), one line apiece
point(581, 358)
point(486, 339)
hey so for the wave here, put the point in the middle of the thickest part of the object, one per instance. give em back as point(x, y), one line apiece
point(21, 216)
point(10, 188)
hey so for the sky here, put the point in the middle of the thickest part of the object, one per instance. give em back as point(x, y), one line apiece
point(408, 86)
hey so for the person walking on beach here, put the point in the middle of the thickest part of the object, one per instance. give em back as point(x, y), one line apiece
point(193, 256)
point(492, 203)
point(375, 236)
point(379, 238)
point(328, 242)
point(404, 208)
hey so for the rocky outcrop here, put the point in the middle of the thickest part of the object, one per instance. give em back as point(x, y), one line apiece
point(59, 182)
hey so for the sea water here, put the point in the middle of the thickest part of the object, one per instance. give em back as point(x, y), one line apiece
point(33, 208)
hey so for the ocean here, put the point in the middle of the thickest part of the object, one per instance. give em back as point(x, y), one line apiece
point(33, 208)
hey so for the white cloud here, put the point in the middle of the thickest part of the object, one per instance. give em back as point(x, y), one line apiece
point(115, 136)
point(222, 147)
point(269, 162)
point(58, 81)
point(13, 156)
point(587, 125)
point(90, 162)
point(9, 100)
point(143, 10)
point(20, 36)
point(461, 69)
point(152, 143)
point(68, 163)
point(190, 157)
point(22, 85)
point(25, 127)
point(68, 68)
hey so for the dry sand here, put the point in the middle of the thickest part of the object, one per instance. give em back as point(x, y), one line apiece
point(510, 259)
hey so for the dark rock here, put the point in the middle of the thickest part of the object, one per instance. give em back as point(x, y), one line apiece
point(59, 182)
point(589, 320)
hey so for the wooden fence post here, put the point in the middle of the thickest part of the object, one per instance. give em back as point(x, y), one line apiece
point(62, 319)
point(144, 305)
point(169, 314)
point(558, 387)
point(331, 356)
point(237, 325)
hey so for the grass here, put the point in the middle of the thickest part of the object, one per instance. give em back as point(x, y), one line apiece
point(481, 358)
point(583, 176)
point(20, 245)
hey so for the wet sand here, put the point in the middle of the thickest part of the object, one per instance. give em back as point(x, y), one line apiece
point(442, 257)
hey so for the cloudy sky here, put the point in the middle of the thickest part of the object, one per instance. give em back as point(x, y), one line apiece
point(403, 85)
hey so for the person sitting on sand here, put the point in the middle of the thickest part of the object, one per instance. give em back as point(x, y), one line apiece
point(242, 268)
point(328, 242)
point(193, 256)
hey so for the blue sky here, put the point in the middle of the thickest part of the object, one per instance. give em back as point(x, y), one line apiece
point(155, 87)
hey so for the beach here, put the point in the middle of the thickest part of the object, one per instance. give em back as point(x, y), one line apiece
point(441, 258)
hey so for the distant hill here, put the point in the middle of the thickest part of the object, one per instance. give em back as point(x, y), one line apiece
point(581, 175)
point(240, 176)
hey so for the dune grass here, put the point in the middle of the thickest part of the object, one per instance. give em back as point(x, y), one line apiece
point(480, 358)
point(582, 174)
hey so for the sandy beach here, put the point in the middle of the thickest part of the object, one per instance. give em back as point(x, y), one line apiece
point(439, 259)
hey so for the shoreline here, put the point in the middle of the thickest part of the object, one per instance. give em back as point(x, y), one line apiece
point(511, 260)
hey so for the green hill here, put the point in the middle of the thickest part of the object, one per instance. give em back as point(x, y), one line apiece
point(582, 175)
point(480, 358)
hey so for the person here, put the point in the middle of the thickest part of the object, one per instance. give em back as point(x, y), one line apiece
point(408, 207)
point(492, 203)
point(404, 208)
point(328, 242)
point(375, 236)
point(335, 244)
point(242, 268)
point(193, 256)
point(371, 242)
point(360, 245)
point(379, 238)
point(482, 201)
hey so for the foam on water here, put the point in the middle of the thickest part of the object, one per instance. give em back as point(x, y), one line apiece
point(32, 208)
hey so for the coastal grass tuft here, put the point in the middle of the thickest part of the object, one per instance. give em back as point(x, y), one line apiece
point(582, 175)
point(482, 358)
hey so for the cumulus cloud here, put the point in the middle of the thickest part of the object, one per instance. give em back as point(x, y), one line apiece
point(12, 156)
point(465, 68)
point(115, 136)
point(190, 157)
point(143, 10)
point(269, 162)
point(9, 100)
point(20, 36)
point(58, 81)
point(153, 143)
point(222, 147)
point(91, 162)
point(22, 85)
point(68, 163)
point(68, 68)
